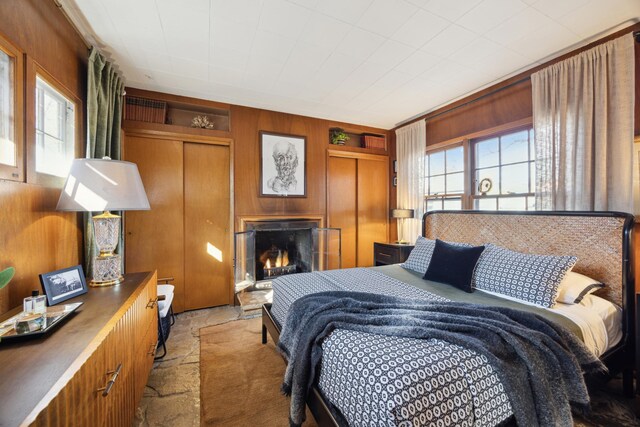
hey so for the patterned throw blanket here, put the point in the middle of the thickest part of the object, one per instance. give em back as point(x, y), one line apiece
point(539, 363)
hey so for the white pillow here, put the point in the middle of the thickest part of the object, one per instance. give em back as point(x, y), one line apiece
point(575, 286)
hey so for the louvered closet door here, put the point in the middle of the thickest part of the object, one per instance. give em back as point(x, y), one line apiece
point(206, 225)
point(154, 238)
point(341, 204)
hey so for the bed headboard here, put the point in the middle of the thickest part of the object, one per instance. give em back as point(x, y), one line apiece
point(600, 240)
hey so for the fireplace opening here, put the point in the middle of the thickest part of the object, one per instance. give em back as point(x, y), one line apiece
point(283, 251)
point(269, 248)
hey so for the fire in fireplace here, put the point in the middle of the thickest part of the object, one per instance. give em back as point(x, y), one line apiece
point(276, 263)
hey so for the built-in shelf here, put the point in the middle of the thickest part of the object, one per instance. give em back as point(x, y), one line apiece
point(175, 112)
point(356, 142)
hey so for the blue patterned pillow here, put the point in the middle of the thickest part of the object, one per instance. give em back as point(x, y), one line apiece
point(420, 256)
point(531, 278)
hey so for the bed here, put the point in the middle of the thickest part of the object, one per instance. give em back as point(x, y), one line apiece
point(600, 241)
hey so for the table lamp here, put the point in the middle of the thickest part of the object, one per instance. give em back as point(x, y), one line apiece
point(401, 214)
point(103, 185)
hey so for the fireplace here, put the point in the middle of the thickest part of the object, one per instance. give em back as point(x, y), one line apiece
point(273, 247)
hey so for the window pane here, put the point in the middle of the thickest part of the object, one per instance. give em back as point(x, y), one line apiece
point(455, 160)
point(55, 130)
point(452, 204)
point(436, 163)
point(52, 116)
point(433, 205)
point(486, 204)
point(512, 203)
point(531, 203)
point(7, 141)
point(455, 183)
point(515, 147)
point(493, 175)
point(515, 178)
point(487, 153)
point(436, 185)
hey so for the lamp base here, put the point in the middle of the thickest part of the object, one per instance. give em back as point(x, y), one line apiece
point(106, 271)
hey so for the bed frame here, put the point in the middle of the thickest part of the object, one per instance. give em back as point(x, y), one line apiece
point(602, 241)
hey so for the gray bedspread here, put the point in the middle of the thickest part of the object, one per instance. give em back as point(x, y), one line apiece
point(539, 363)
point(379, 380)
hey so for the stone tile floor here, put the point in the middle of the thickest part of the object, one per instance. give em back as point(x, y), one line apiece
point(172, 394)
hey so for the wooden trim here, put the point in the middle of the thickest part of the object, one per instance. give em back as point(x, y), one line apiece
point(356, 155)
point(521, 78)
point(161, 131)
point(15, 173)
point(445, 145)
point(35, 70)
point(362, 150)
point(527, 121)
point(230, 233)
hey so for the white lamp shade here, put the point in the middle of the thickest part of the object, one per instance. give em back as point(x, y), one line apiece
point(103, 185)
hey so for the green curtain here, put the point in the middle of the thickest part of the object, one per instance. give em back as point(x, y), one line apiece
point(105, 90)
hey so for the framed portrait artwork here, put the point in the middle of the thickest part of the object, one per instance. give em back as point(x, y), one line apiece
point(61, 285)
point(283, 165)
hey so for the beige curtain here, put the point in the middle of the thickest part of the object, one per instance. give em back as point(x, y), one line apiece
point(411, 143)
point(583, 123)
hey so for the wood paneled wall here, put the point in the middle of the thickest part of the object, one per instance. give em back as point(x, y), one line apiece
point(245, 124)
point(34, 238)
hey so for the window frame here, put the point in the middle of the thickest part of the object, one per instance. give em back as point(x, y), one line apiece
point(9, 172)
point(33, 176)
point(467, 142)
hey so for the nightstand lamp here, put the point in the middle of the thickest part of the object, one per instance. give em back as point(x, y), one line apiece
point(102, 185)
point(401, 215)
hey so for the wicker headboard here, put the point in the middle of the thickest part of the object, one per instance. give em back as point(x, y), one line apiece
point(600, 240)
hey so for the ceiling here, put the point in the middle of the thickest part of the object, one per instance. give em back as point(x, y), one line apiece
point(373, 62)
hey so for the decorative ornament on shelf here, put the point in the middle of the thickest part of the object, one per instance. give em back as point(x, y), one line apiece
point(339, 136)
point(6, 275)
point(202, 122)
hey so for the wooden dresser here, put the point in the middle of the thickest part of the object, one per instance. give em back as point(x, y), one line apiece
point(68, 378)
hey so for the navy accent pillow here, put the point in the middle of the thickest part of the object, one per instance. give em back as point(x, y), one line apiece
point(453, 265)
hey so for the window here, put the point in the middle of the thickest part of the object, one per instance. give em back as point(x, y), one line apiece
point(445, 179)
point(7, 134)
point(504, 172)
point(55, 130)
point(487, 173)
point(11, 107)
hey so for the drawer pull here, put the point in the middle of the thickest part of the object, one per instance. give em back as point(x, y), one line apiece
point(383, 254)
point(152, 302)
point(152, 349)
point(114, 376)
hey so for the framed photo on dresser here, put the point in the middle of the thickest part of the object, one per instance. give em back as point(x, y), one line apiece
point(64, 284)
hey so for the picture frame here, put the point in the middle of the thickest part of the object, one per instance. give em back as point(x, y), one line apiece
point(64, 284)
point(283, 165)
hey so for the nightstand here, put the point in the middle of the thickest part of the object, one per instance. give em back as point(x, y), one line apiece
point(390, 253)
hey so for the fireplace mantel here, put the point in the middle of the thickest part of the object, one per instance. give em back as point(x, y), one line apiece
point(241, 221)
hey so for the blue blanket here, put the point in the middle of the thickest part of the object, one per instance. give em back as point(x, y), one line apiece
point(539, 363)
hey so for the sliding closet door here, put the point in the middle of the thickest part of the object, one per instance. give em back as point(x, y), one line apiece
point(154, 238)
point(341, 204)
point(206, 225)
point(373, 206)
